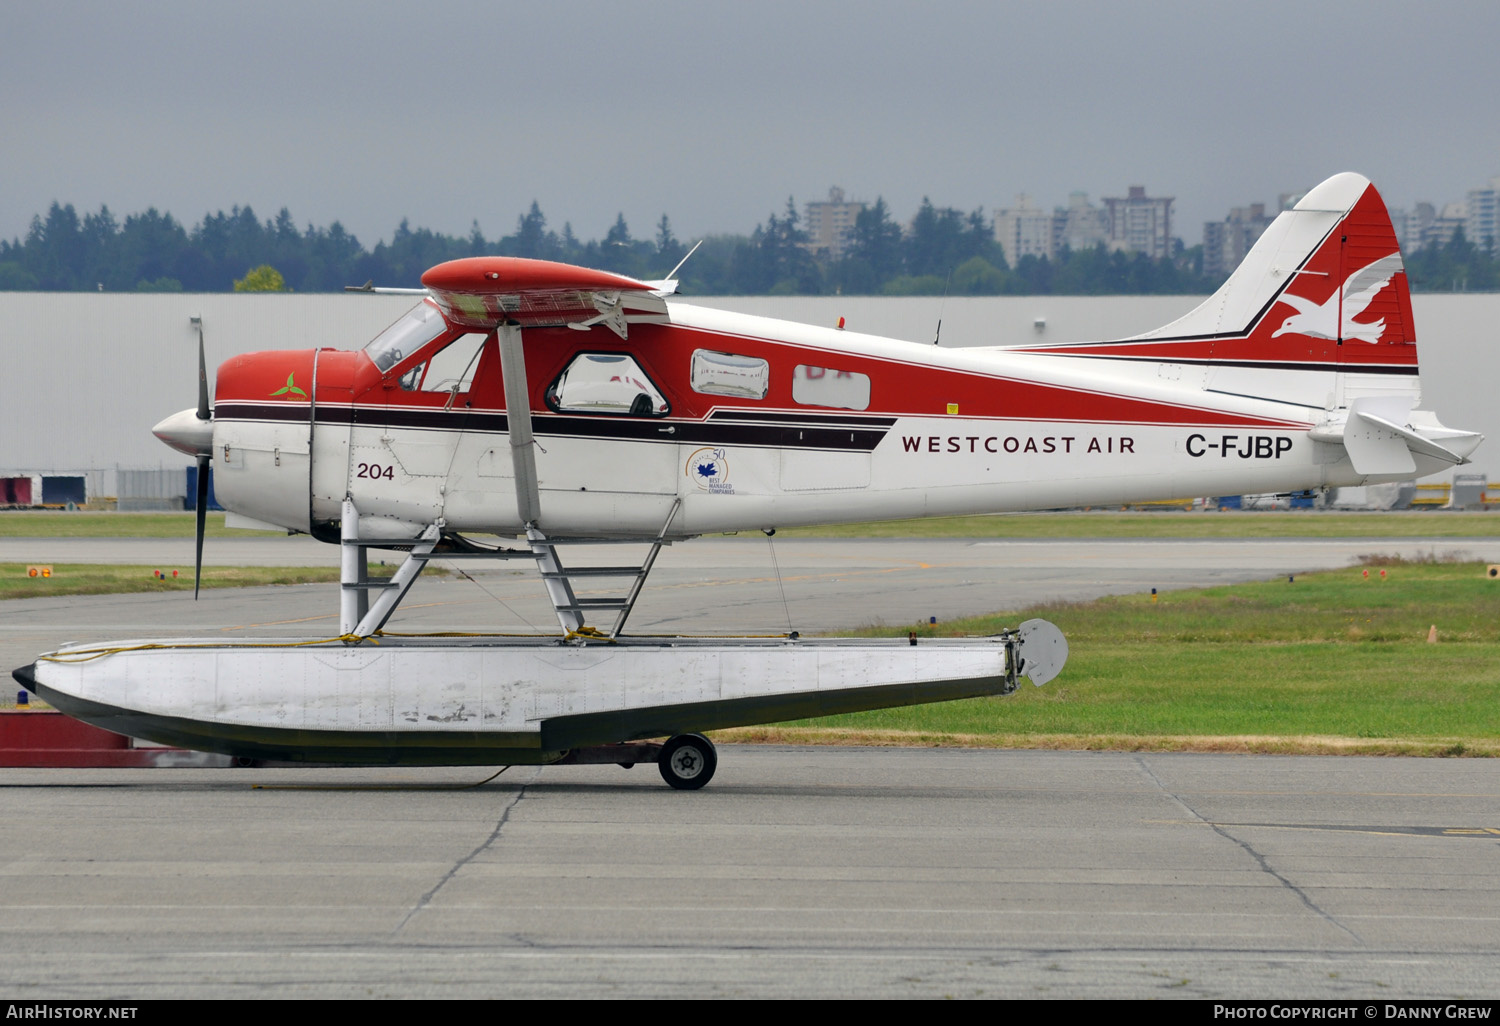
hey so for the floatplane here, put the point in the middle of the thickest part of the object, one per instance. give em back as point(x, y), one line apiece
point(525, 409)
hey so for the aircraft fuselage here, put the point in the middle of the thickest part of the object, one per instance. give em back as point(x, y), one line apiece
point(850, 427)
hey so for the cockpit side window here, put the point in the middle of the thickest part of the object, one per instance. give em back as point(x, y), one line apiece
point(450, 369)
point(606, 383)
point(415, 329)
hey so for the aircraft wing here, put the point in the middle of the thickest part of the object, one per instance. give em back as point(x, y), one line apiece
point(485, 292)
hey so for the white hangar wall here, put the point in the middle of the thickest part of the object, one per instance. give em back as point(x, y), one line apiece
point(87, 375)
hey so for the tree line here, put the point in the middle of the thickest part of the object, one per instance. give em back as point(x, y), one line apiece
point(942, 251)
point(1456, 266)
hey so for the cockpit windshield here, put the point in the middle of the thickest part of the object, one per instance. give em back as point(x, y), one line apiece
point(415, 329)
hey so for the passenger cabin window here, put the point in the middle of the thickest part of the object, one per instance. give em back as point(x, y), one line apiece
point(744, 377)
point(606, 383)
point(450, 369)
point(415, 329)
point(827, 386)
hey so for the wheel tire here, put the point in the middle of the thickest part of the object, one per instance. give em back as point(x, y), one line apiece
point(688, 761)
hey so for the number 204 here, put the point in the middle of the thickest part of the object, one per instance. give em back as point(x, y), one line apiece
point(376, 471)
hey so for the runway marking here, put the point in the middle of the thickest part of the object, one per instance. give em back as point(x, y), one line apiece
point(1337, 794)
point(1389, 831)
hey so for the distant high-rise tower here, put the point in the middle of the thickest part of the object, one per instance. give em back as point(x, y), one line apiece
point(1418, 224)
point(1079, 225)
point(1024, 230)
point(1226, 242)
point(1441, 229)
point(830, 225)
point(1139, 223)
point(1480, 225)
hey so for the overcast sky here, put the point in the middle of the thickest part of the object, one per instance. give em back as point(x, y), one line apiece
point(450, 110)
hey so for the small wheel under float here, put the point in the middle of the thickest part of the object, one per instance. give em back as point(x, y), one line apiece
point(688, 761)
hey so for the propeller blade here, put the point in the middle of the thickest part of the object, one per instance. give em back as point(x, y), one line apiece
point(202, 507)
point(203, 410)
point(204, 460)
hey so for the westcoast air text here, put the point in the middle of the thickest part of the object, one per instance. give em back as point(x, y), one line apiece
point(1013, 444)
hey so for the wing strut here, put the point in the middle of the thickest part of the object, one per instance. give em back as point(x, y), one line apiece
point(518, 420)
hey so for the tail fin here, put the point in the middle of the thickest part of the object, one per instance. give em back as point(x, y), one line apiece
point(1324, 289)
point(1326, 276)
point(1318, 316)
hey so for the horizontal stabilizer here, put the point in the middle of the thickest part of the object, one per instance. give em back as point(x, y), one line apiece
point(1372, 446)
point(1414, 442)
point(1381, 440)
point(1375, 451)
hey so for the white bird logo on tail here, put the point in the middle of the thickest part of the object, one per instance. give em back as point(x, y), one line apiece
point(1321, 320)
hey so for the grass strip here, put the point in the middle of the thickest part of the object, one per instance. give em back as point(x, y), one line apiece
point(1242, 744)
point(1329, 662)
point(115, 579)
point(1176, 524)
point(51, 524)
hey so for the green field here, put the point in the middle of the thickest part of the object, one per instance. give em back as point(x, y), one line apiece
point(1332, 662)
point(1176, 524)
point(1159, 524)
point(50, 524)
point(114, 579)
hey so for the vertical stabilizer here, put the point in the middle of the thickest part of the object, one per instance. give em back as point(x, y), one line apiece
point(1324, 289)
point(1316, 318)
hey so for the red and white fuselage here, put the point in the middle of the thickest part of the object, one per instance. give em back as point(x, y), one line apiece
point(1301, 372)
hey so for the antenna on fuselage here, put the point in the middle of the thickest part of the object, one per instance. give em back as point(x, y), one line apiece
point(673, 272)
point(668, 286)
point(939, 334)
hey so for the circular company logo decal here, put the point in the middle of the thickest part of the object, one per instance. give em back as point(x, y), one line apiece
point(709, 470)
